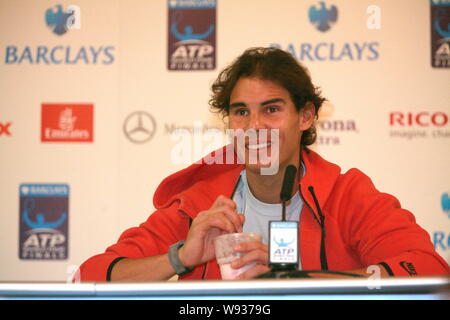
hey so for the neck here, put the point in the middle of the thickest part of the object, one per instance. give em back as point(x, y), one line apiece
point(267, 188)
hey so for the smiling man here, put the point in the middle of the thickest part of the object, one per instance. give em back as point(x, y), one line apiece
point(258, 104)
point(346, 224)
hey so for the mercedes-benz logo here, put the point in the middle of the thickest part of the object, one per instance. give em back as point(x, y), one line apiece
point(139, 127)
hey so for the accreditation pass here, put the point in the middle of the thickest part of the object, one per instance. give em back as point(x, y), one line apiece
point(283, 242)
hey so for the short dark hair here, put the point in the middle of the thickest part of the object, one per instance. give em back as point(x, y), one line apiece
point(269, 64)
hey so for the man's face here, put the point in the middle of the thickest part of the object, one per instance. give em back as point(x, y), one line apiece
point(262, 104)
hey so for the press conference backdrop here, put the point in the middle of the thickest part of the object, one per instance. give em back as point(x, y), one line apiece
point(92, 92)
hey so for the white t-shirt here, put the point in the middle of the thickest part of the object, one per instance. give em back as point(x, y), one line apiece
point(258, 214)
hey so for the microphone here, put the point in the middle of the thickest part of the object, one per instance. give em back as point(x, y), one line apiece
point(286, 188)
point(283, 235)
point(288, 183)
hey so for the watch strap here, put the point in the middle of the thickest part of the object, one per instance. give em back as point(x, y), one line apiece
point(174, 259)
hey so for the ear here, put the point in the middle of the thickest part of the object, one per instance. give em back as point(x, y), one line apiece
point(307, 114)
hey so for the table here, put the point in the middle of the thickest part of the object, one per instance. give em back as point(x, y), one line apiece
point(418, 288)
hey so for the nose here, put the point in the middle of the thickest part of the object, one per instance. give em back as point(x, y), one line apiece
point(255, 121)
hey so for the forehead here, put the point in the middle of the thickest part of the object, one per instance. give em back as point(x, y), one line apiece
point(256, 89)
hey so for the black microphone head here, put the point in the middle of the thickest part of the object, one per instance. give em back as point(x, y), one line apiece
point(288, 182)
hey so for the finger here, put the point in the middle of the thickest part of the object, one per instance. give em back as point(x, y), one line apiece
point(255, 256)
point(221, 221)
point(253, 272)
point(224, 201)
point(223, 212)
point(211, 219)
point(233, 216)
point(249, 246)
point(242, 218)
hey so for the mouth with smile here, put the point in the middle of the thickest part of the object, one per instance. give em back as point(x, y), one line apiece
point(258, 146)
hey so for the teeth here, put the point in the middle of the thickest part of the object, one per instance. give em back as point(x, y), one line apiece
point(258, 146)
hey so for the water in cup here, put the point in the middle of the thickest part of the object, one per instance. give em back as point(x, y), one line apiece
point(225, 254)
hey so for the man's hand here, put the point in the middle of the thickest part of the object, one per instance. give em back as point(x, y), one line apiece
point(219, 219)
point(254, 252)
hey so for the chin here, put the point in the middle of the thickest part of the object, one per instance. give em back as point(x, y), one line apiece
point(263, 169)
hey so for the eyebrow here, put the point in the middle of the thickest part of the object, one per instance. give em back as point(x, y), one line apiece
point(242, 104)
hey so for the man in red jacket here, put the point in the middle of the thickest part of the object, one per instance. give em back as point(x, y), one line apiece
point(345, 223)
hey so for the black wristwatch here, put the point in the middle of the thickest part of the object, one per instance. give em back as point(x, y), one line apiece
point(174, 259)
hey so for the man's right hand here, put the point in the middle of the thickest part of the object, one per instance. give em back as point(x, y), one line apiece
point(221, 218)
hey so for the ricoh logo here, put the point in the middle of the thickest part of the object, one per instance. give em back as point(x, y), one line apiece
point(421, 119)
point(420, 124)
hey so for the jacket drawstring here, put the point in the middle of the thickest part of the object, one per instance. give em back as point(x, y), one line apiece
point(323, 254)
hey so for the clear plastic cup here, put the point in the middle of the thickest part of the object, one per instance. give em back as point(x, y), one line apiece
point(224, 246)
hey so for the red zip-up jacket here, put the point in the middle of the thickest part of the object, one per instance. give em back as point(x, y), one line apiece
point(357, 225)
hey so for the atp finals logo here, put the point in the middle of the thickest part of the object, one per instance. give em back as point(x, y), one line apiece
point(192, 35)
point(284, 249)
point(43, 221)
point(440, 33)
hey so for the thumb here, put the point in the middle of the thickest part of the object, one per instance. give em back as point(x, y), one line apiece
point(242, 218)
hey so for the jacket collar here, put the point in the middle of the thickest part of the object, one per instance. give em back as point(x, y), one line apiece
point(321, 175)
point(198, 185)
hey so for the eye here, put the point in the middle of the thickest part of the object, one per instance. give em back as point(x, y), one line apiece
point(272, 109)
point(241, 112)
